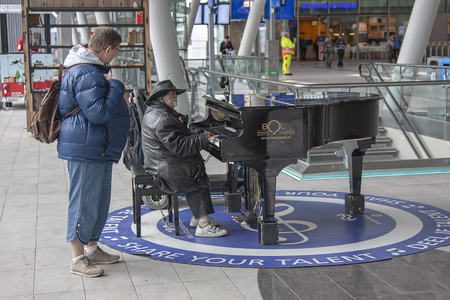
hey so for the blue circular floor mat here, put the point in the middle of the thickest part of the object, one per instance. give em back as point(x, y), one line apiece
point(313, 231)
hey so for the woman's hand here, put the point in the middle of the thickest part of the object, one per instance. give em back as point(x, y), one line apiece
point(107, 77)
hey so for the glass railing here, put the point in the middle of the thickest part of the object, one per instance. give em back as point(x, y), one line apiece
point(405, 139)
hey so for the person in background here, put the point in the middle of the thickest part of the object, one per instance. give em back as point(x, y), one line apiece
point(303, 48)
point(328, 51)
point(390, 48)
point(91, 141)
point(226, 45)
point(287, 50)
point(397, 45)
point(172, 156)
point(340, 45)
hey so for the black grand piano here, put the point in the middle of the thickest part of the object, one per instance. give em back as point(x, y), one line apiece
point(266, 133)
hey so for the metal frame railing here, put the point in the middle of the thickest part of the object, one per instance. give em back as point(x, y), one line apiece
point(293, 88)
point(371, 68)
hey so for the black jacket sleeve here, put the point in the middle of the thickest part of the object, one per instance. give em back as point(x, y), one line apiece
point(173, 137)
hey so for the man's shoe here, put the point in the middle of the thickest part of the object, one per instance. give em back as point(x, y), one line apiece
point(194, 222)
point(210, 231)
point(288, 74)
point(101, 257)
point(85, 267)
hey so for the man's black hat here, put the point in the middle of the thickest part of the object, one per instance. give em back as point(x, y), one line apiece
point(163, 87)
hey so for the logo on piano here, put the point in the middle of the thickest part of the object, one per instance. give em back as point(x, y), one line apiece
point(274, 130)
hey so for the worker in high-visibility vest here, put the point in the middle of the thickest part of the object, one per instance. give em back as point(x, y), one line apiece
point(287, 50)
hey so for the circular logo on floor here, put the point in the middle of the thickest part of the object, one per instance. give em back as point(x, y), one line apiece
point(313, 231)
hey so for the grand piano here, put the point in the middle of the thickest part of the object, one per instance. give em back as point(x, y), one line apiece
point(268, 132)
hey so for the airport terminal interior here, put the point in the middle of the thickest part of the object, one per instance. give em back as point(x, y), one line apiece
point(359, 151)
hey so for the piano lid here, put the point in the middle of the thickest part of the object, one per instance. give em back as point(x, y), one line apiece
point(303, 99)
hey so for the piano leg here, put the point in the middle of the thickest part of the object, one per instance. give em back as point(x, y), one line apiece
point(268, 227)
point(249, 186)
point(354, 202)
point(233, 201)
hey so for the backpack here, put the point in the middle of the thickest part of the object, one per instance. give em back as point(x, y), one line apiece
point(133, 153)
point(46, 122)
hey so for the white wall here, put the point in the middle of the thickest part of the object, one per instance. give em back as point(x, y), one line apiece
point(436, 147)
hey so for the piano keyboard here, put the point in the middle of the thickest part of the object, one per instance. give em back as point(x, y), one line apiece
point(223, 133)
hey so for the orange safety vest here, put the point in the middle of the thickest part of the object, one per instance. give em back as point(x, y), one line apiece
point(287, 51)
point(287, 47)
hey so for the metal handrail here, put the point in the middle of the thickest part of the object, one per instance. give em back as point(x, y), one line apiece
point(369, 78)
point(414, 66)
point(228, 57)
point(323, 86)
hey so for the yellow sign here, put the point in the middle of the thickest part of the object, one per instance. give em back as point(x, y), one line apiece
point(314, 23)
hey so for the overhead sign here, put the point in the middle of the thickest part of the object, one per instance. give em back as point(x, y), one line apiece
point(286, 12)
point(313, 231)
point(240, 9)
point(329, 6)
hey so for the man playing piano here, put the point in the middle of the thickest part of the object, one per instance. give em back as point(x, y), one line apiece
point(172, 155)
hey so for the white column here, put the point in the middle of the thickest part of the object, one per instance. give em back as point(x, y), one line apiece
point(418, 32)
point(191, 18)
point(64, 35)
point(165, 49)
point(251, 28)
point(85, 34)
point(103, 18)
point(75, 39)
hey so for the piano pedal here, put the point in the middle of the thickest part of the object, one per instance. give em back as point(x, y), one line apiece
point(239, 219)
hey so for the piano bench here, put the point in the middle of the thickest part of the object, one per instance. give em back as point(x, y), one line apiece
point(142, 184)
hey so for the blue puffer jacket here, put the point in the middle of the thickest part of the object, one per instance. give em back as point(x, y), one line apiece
point(99, 131)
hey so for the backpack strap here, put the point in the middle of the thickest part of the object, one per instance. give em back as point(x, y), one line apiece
point(61, 69)
point(73, 112)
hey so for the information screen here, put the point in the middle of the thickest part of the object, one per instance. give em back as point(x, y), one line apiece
point(223, 14)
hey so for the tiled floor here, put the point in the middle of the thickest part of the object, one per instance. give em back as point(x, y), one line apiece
point(35, 259)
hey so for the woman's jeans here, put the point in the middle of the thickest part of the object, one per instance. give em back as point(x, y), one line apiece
point(89, 199)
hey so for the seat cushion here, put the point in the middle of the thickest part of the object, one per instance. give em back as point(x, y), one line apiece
point(140, 176)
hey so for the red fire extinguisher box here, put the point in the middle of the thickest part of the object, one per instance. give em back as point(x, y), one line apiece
point(14, 89)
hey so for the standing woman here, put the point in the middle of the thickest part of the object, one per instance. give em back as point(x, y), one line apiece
point(91, 141)
point(328, 51)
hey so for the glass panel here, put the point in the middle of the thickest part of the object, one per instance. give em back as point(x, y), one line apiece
point(400, 6)
point(372, 37)
point(374, 7)
point(398, 24)
point(345, 26)
point(442, 6)
point(424, 107)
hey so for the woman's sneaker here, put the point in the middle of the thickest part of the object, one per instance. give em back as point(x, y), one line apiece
point(101, 257)
point(210, 231)
point(194, 222)
point(85, 267)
